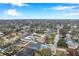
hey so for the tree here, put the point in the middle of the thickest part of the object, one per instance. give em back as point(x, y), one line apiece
point(62, 43)
point(1, 41)
point(51, 39)
point(44, 52)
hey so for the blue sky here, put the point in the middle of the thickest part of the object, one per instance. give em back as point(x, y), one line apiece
point(39, 11)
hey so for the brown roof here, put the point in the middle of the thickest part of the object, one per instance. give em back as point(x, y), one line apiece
point(72, 52)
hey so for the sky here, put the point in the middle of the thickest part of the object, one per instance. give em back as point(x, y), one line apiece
point(39, 11)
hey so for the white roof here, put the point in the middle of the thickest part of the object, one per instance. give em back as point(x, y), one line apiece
point(43, 36)
point(1, 33)
point(28, 37)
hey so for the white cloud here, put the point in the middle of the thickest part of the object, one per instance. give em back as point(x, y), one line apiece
point(62, 8)
point(20, 4)
point(12, 12)
point(71, 14)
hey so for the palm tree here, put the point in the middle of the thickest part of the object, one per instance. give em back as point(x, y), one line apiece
point(1, 41)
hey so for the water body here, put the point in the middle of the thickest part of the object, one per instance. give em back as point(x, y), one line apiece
point(28, 51)
point(34, 46)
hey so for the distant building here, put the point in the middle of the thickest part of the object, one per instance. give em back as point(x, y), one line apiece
point(13, 34)
point(22, 34)
point(1, 34)
point(42, 39)
point(29, 37)
point(48, 32)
